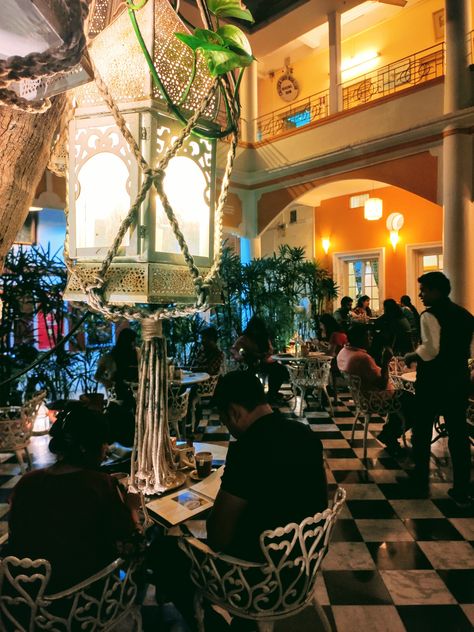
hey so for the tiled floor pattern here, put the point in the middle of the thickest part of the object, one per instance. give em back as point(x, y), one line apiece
point(396, 562)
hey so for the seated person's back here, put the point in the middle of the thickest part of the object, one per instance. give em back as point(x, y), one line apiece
point(274, 472)
point(70, 513)
point(354, 359)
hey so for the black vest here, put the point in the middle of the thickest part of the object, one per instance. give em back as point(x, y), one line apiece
point(457, 328)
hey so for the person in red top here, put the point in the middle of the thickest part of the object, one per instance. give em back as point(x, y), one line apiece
point(333, 333)
point(70, 513)
point(355, 359)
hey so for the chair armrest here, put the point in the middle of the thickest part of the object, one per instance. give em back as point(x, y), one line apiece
point(201, 546)
point(116, 564)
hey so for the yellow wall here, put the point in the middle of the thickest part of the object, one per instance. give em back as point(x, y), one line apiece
point(411, 30)
point(350, 232)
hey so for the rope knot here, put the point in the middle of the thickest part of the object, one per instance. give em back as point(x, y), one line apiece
point(156, 175)
point(151, 328)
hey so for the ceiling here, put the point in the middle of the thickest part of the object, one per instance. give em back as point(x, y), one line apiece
point(336, 189)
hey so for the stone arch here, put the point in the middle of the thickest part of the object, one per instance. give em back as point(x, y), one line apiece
point(417, 174)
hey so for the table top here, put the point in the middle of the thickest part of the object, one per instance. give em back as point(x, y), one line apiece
point(313, 355)
point(189, 378)
point(409, 377)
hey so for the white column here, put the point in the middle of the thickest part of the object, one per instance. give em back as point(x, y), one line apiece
point(334, 26)
point(250, 240)
point(457, 80)
point(458, 209)
point(249, 104)
point(458, 216)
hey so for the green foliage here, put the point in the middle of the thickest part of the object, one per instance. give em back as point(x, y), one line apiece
point(271, 287)
point(227, 48)
point(32, 287)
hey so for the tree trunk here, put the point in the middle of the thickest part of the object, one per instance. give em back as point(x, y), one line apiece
point(25, 147)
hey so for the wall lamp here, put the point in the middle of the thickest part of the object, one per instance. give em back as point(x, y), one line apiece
point(395, 223)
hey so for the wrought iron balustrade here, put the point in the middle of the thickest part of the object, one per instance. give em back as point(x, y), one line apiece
point(299, 114)
point(410, 71)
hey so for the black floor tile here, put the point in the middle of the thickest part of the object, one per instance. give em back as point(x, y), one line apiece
point(4, 495)
point(451, 510)
point(432, 529)
point(391, 556)
point(325, 434)
point(370, 509)
point(340, 453)
point(434, 619)
point(460, 583)
point(399, 491)
point(351, 476)
point(356, 587)
point(346, 530)
point(339, 414)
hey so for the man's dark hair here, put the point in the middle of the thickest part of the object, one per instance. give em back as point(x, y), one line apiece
point(239, 387)
point(357, 335)
point(346, 301)
point(210, 333)
point(436, 281)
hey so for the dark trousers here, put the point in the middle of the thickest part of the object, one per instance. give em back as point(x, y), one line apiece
point(393, 425)
point(450, 401)
point(277, 374)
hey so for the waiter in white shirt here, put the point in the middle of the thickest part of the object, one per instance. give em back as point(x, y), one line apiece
point(442, 382)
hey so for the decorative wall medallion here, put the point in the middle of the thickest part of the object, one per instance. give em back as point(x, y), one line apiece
point(287, 87)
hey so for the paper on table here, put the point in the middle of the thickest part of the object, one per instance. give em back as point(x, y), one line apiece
point(210, 485)
point(187, 503)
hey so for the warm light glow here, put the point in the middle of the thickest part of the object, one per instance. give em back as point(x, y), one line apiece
point(359, 64)
point(185, 186)
point(395, 222)
point(373, 209)
point(103, 201)
point(326, 243)
point(394, 238)
point(36, 208)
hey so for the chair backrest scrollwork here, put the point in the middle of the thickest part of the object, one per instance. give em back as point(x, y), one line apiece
point(283, 583)
point(16, 423)
point(96, 604)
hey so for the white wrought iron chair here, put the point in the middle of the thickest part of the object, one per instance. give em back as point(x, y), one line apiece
point(310, 376)
point(97, 604)
point(281, 586)
point(204, 390)
point(397, 368)
point(178, 408)
point(470, 420)
point(16, 428)
point(369, 403)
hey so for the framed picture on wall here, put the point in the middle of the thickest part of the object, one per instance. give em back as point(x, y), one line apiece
point(438, 24)
point(28, 233)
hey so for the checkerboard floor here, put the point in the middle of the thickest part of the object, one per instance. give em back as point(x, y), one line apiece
point(396, 562)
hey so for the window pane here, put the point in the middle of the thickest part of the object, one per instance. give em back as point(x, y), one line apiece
point(430, 262)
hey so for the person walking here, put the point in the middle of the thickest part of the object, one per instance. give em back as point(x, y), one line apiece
point(442, 382)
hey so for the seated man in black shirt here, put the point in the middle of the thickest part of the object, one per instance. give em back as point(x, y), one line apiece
point(274, 472)
point(274, 475)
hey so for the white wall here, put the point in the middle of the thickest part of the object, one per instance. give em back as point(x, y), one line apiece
point(280, 231)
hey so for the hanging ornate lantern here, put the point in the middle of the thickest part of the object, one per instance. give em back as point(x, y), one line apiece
point(104, 176)
point(373, 209)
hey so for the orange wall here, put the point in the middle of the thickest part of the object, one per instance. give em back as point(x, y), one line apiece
point(349, 231)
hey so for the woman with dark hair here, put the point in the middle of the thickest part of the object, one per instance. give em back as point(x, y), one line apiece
point(393, 330)
point(120, 366)
point(71, 513)
point(412, 315)
point(362, 308)
point(255, 349)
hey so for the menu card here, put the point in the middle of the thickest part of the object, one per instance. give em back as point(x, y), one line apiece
point(186, 503)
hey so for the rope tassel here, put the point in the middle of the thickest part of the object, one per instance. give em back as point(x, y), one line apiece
point(152, 469)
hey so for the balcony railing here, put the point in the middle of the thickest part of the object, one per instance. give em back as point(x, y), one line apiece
point(299, 114)
point(404, 73)
point(398, 76)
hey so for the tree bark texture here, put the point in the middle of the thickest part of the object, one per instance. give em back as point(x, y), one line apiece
point(25, 147)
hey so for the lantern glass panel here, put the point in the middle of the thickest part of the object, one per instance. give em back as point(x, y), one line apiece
point(188, 193)
point(103, 201)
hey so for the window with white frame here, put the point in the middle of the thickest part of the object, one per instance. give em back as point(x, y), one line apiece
point(361, 273)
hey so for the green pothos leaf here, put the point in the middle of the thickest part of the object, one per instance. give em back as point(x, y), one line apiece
point(229, 9)
point(235, 39)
